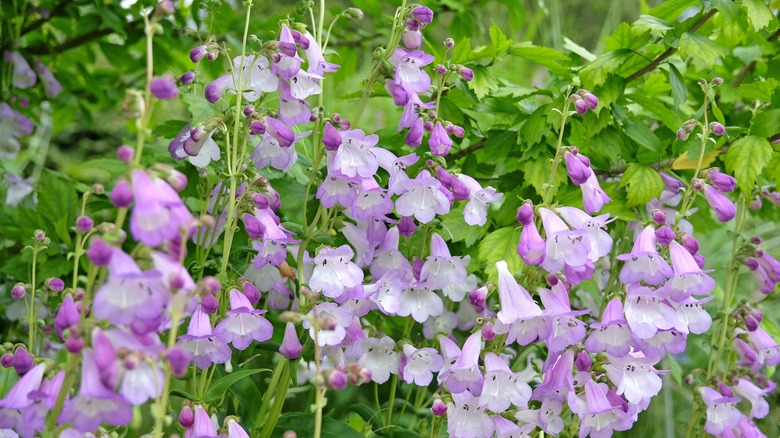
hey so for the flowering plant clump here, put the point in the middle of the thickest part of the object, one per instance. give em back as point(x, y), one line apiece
point(444, 249)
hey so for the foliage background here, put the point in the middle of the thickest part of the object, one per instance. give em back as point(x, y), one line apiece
point(525, 51)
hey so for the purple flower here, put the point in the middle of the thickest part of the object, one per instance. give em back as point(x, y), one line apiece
point(355, 156)
point(466, 418)
point(159, 214)
point(422, 199)
point(578, 171)
point(419, 364)
point(644, 263)
point(23, 75)
point(18, 401)
point(601, 417)
point(412, 39)
point(565, 328)
point(465, 374)
point(759, 407)
point(286, 66)
point(466, 73)
point(612, 334)
point(516, 303)
point(291, 347)
point(409, 72)
point(502, 387)
point(198, 53)
point(564, 246)
point(187, 78)
point(332, 321)
point(292, 111)
point(721, 181)
point(475, 211)
point(593, 197)
point(202, 427)
point(68, 316)
point(414, 137)
point(439, 141)
point(314, 58)
point(422, 14)
point(724, 208)
point(122, 195)
point(334, 272)
point(331, 138)
point(420, 302)
point(767, 350)
point(441, 268)
point(646, 313)
point(688, 278)
point(164, 88)
point(692, 316)
point(558, 379)
point(235, 430)
point(206, 347)
point(243, 323)
point(196, 145)
point(722, 414)
point(634, 377)
point(50, 83)
point(600, 240)
point(95, 404)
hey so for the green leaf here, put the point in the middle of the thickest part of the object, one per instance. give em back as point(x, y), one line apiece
point(654, 25)
point(536, 173)
point(555, 61)
point(463, 52)
point(760, 90)
point(220, 387)
point(499, 40)
point(200, 108)
point(169, 129)
point(746, 159)
point(535, 126)
point(595, 73)
point(500, 245)
point(457, 230)
point(484, 82)
point(303, 424)
point(679, 90)
point(758, 13)
point(640, 133)
point(700, 48)
point(643, 184)
point(671, 119)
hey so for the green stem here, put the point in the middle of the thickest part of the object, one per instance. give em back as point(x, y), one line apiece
point(559, 152)
point(70, 378)
point(279, 397)
point(31, 310)
point(393, 384)
point(146, 116)
point(269, 393)
point(163, 400)
point(690, 194)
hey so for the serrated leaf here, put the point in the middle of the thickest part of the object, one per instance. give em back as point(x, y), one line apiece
point(500, 245)
point(578, 49)
point(671, 119)
point(536, 173)
point(463, 52)
point(746, 159)
point(499, 41)
point(760, 90)
point(555, 61)
point(484, 82)
point(595, 73)
point(535, 126)
point(642, 183)
point(654, 25)
point(640, 133)
point(679, 90)
point(758, 13)
point(220, 387)
point(700, 48)
point(199, 107)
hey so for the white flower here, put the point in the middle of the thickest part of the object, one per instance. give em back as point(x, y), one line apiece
point(379, 357)
point(420, 302)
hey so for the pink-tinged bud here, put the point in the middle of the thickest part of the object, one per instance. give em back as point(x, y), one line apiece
point(422, 14)
point(466, 73)
point(717, 81)
point(697, 184)
point(456, 130)
point(344, 125)
point(412, 40)
point(125, 153)
point(186, 417)
point(176, 281)
point(122, 195)
point(336, 380)
point(212, 56)
point(478, 297)
point(725, 390)
point(291, 347)
point(525, 213)
point(414, 137)
point(699, 259)
point(664, 235)
point(412, 24)
point(724, 208)
point(449, 43)
point(55, 284)
point(187, 78)
point(84, 224)
point(578, 171)
point(39, 235)
point(487, 332)
point(210, 304)
point(717, 128)
point(583, 361)
point(353, 14)
point(211, 284)
point(164, 9)
point(444, 177)
point(683, 134)
point(179, 359)
point(261, 201)
point(428, 126)
point(751, 263)
point(164, 88)
point(18, 291)
point(659, 217)
point(459, 190)
point(290, 434)
point(756, 203)
point(751, 323)
point(406, 226)
point(287, 49)
point(251, 292)
point(439, 408)
point(690, 243)
point(331, 137)
point(581, 106)
point(99, 252)
point(723, 182)
point(6, 360)
point(756, 240)
point(198, 53)
point(441, 69)
point(249, 110)
point(281, 132)
point(552, 279)
point(74, 344)
point(22, 361)
point(177, 180)
point(591, 100)
point(256, 127)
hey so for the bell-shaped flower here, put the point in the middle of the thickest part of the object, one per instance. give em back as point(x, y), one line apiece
point(379, 357)
point(235, 430)
point(371, 201)
point(634, 377)
point(334, 272)
point(506, 429)
point(466, 418)
point(203, 426)
point(578, 171)
point(688, 278)
point(287, 65)
point(441, 268)
point(314, 58)
point(42, 402)
point(767, 350)
point(67, 316)
point(612, 334)
point(564, 246)
point(419, 364)
point(759, 406)
point(593, 196)
point(724, 208)
point(95, 404)
point(722, 413)
point(159, 214)
point(292, 111)
point(547, 417)
point(475, 211)
point(419, 301)
point(411, 113)
point(23, 75)
point(692, 317)
point(332, 322)
point(355, 156)
point(199, 149)
point(516, 303)
point(305, 84)
point(558, 378)
point(646, 312)
point(336, 189)
point(18, 400)
point(502, 387)
point(644, 263)
point(269, 151)
point(601, 418)
point(409, 72)
point(664, 341)
point(243, 323)
point(389, 258)
point(457, 291)
point(422, 198)
point(565, 328)
point(600, 240)
point(205, 346)
point(465, 374)
point(439, 142)
point(532, 248)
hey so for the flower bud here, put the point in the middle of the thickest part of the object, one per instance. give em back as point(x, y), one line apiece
point(525, 213)
point(55, 284)
point(751, 323)
point(210, 304)
point(441, 69)
point(125, 153)
point(459, 190)
point(406, 226)
point(466, 73)
point(249, 110)
point(251, 292)
point(6, 360)
point(331, 137)
point(439, 408)
point(659, 216)
point(723, 182)
point(18, 291)
point(444, 177)
point(412, 40)
point(487, 331)
point(756, 203)
point(449, 43)
point(164, 88)
point(591, 100)
point(422, 14)
point(682, 134)
point(412, 24)
point(198, 53)
point(291, 347)
point(717, 81)
point(690, 243)
point(717, 128)
point(122, 195)
point(22, 361)
point(353, 14)
point(699, 259)
point(212, 56)
point(39, 234)
point(290, 434)
point(99, 253)
point(179, 359)
point(187, 78)
point(583, 361)
point(186, 417)
point(581, 106)
point(74, 344)
point(84, 224)
point(478, 297)
point(211, 284)
point(552, 279)
point(664, 235)
point(336, 379)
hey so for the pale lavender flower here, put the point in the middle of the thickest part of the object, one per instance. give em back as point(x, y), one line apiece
point(337, 189)
point(206, 347)
point(634, 377)
point(287, 65)
point(612, 334)
point(516, 303)
point(419, 364)
point(475, 211)
point(292, 111)
point(688, 278)
point(199, 150)
point(409, 72)
point(722, 414)
point(379, 357)
point(23, 74)
point(243, 323)
point(291, 347)
point(724, 208)
point(50, 83)
point(593, 196)
point(420, 302)
point(441, 268)
point(18, 188)
point(646, 312)
point(18, 401)
point(465, 417)
point(547, 417)
point(767, 350)
point(692, 317)
point(159, 214)
point(314, 58)
point(564, 246)
point(334, 272)
point(601, 418)
point(565, 328)
point(502, 387)
point(422, 199)
point(465, 374)
point(644, 263)
point(332, 321)
point(759, 407)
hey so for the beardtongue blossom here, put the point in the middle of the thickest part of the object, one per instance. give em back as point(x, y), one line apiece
point(334, 272)
point(578, 170)
point(23, 74)
point(612, 334)
point(50, 83)
point(564, 246)
point(565, 328)
point(441, 268)
point(688, 278)
point(439, 141)
point(159, 213)
point(724, 208)
point(417, 365)
point(422, 198)
point(722, 414)
point(379, 357)
point(243, 323)
point(466, 418)
point(291, 347)
point(18, 401)
point(205, 346)
point(476, 210)
point(647, 313)
point(516, 303)
point(502, 388)
point(197, 146)
point(465, 375)
point(408, 72)
point(644, 263)
point(593, 196)
point(601, 417)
